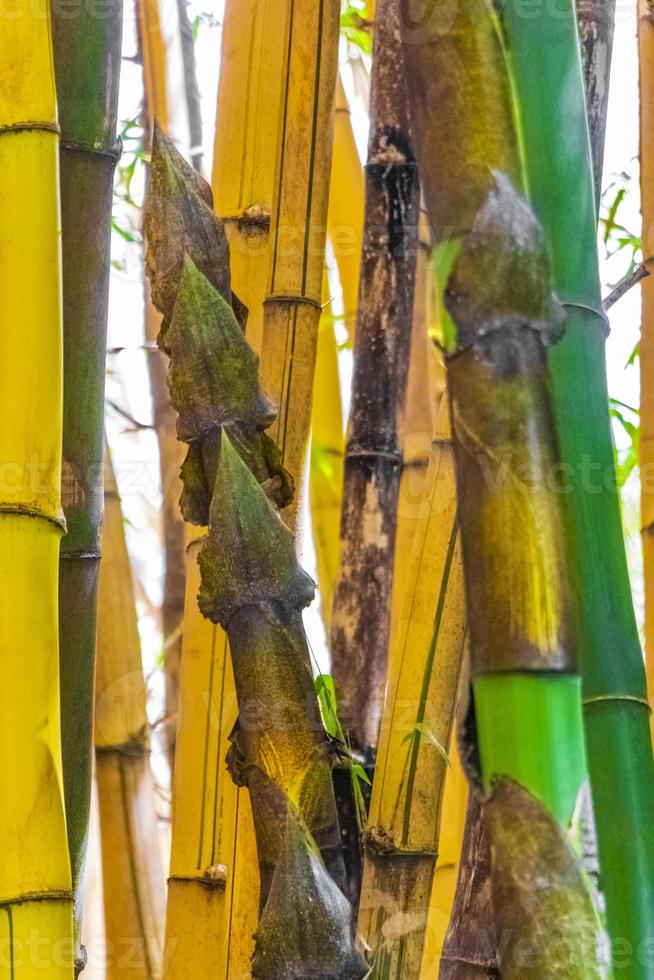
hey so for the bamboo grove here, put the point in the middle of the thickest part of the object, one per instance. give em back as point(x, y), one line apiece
point(434, 761)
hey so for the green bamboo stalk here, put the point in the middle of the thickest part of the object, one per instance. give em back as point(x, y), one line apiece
point(361, 617)
point(548, 79)
point(528, 746)
point(87, 68)
point(251, 584)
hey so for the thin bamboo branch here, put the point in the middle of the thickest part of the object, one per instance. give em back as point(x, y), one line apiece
point(160, 39)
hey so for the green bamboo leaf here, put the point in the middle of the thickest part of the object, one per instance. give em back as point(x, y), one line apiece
point(422, 730)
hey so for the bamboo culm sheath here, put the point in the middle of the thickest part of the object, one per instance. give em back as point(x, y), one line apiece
point(251, 583)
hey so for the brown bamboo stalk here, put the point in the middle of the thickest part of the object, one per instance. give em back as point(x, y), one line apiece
point(361, 620)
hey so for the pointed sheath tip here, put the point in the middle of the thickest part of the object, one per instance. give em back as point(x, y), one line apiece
point(249, 554)
point(305, 928)
point(214, 379)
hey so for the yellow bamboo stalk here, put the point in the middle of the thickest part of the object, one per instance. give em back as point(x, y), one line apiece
point(298, 224)
point(345, 230)
point(156, 43)
point(247, 133)
point(213, 894)
point(326, 466)
point(153, 51)
point(35, 875)
point(213, 886)
point(414, 430)
point(346, 208)
point(646, 50)
point(402, 840)
point(133, 879)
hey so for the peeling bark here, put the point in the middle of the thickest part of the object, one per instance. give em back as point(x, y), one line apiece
point(361, 618)
point(596, 20)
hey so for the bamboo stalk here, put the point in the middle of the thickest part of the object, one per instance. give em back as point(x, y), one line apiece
point(346, 208)
point(361, 618)
point(615, 696)
point(156, 42)
point(299, 224)
point(414, 431)
point(596, 20)
point(470, 946)
point(251, 585)
point(87, 69)
point(326, 465)
point(132, 873)
point(344, 227)
point(35, 875)
point(248, 122)
point(402, 840)
point(502, 319)
point(646, 49)
point(212, 817)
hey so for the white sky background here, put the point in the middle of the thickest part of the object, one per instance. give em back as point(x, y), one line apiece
point(135, 453)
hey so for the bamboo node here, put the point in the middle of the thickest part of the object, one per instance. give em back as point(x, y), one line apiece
point(377, 840)
point(253, 219)
point(216, 875)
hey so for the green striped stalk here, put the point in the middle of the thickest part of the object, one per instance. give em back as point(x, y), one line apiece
point(527, 750)
point(251, 583)
point(87, 68)
point(548, 84)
